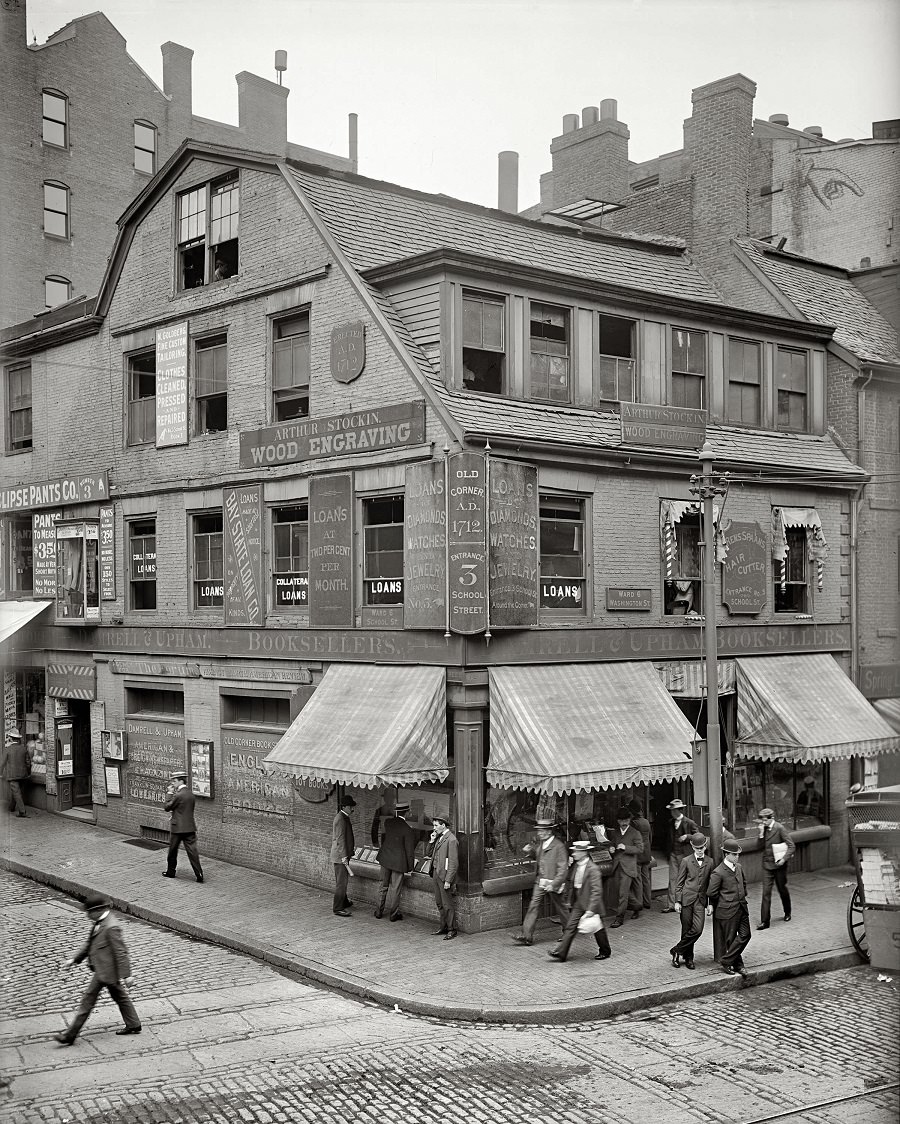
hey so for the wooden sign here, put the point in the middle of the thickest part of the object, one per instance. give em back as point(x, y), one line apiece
point(107, 553)
point(172, 385)
point(425, 547)
point(625, 599)
point(744, 571)
point(514, 560)
point(331, 551)
point(467, 543)
point(672, 427)
point(348, 351)
point(243, 598)
point(43, 548)
point(52, 493)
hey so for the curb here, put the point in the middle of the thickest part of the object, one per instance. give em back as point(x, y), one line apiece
point(359, 988)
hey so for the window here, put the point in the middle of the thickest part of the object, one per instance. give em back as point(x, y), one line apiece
point(614, 374)
point(57, 290)
point(142, 571)
point(683, 589)
point(56, 209)
point(55, 126)
point(562, 554)
point(484, 342)
point(141, 398)
point(688, 369)
point(209, 575)
point(290, 373)
point(290, 553)
point(154, 700)
point(791, 385)
point(383, 562)
point(208, 233)
point(20, 563)
point(144, 147)
point(743, 382)
point(549, 352)
point(212, 385)
point(791, 575)
point(78, 572)
point(256, 710)
point(797, 793)
point(18, 408)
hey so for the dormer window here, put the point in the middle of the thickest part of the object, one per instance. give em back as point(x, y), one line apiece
point(208, 218)
point(549, 341)
point(484, 342)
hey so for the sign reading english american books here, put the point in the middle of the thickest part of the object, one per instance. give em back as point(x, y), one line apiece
point(362, 431)
point(672, 427)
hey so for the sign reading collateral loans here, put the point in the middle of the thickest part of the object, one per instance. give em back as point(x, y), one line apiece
point(171, 385)
point(383, 427)
point(672, 427)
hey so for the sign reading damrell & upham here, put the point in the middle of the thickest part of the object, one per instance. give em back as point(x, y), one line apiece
point(243, 555)
point(672, 427)
point(382, 427)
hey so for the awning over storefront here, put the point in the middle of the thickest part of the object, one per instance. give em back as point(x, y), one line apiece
point(804, 708)
point(574, 727)
point(369, 725)
point(16, 614)
point(889, 709)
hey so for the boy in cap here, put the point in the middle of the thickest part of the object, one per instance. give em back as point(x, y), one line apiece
point(16, 769)
point(728, 894)
point(626, 846)
point(678, 846)
point(107, 957)
point(444, 868)
point(342, 847)
point(691, 900)
point(772, 833)
point(584, 892)
point(396, 857)
point(183, 829)
point(550, 879)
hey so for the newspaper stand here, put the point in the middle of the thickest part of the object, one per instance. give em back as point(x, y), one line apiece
point(873, 913)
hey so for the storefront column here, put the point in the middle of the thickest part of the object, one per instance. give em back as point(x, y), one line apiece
point(468, 706)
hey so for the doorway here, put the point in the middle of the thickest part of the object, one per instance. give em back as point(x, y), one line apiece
point(73, 756)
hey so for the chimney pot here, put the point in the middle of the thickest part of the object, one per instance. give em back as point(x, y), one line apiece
point(508, 181)
point(590, 115)
point(814, 130)
point(570, 122)
point(608, 109)
point(865, 263)
point(779, 119)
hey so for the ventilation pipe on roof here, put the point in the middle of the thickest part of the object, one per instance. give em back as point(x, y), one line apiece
point(353, 122)
point(570, 122)
point(813, 130)
point(609, 107)
point(508, 181)
point(590, 115)
point(779, 119)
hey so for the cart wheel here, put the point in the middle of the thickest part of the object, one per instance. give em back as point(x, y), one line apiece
point(856, 925)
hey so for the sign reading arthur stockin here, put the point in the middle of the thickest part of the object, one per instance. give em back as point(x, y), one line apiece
point(671, 426)
point(243, 555)
point(331, 551)
point(513, 543)
point(467, 543)
point(385, 427)
point(744, 570)
point(425, 547)
point(348, 351)
point(171, 385)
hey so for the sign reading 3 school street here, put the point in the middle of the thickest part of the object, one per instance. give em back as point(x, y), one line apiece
point(467, 543)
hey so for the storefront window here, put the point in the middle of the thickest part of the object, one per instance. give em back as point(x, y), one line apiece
point(796, 793)
point(23, 698)
point(374, 806)
point(77, 572)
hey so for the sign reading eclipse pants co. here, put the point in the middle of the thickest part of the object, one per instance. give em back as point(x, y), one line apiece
point(331, 551)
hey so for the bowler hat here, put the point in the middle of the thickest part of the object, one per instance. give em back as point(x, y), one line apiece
point(731, 847)
point(348, 802)
point(635, 806)
point(675, 804)
point(182, 776)
point(698, 840)
point(13, 732)
point(96, 901)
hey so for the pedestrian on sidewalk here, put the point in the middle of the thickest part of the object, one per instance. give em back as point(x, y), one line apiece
point(691, 900)
point(584, 895)
point(625, 847)
point(182, 829)
point(550, 878)
point(645, 861)
point(107, 958)
point(678, 846)
point(396, 857)
point(778, 850)
point(728, 894)
point(342, 847)
point(444, 868)
point(17, 769)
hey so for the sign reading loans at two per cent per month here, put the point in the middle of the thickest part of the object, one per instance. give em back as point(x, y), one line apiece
point(171, 385)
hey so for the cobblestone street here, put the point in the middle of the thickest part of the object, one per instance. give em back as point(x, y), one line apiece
point(228, 1039)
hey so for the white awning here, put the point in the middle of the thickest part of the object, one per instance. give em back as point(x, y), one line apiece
point(16, 614)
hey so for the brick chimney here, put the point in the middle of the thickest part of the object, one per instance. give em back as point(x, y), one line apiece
point(508, 181)
point(262, 112)
point(177, 81)
point(591, 159)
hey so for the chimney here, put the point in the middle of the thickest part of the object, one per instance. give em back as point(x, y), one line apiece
point(591, 160)
point(177, 82)
point(508, 181)
point(262, 113)
point(353, 140)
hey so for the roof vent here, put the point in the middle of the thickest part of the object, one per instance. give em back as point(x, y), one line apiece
point(813, 130)
point(280, 63)
point(570, 122)
point(779, 119)
point(590, 115)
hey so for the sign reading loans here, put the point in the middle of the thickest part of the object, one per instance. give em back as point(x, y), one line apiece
point(243, 555)
point(331, 551)
point(348, 351)
point(744, 582)
point(171, 385)
point(467, 543)
point(672, 427)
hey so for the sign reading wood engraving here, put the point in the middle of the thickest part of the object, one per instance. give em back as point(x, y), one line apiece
point(672, 427)
point(243, 555)
point(43, 552)
point(155, 749)
point(348, 351)
point(744, 570)
point(107, 553)
point(384, 427)
point(331, 551)
point(171, 385)
point(626, 599)
point(247, 791)
point(63, 490)
point(425, 547)
point(467, 543)
point(513, 544)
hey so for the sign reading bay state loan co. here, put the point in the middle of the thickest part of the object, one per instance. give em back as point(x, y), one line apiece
point(672, 427)
point(425, 547)
point(171, 385)
point(382, 427)
point(243, 555)
point(513, 544)
point(331, 551)
point(467, 543)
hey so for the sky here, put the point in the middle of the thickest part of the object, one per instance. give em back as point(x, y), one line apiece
point(442, 86)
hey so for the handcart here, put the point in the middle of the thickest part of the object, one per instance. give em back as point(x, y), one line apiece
point(873, 912)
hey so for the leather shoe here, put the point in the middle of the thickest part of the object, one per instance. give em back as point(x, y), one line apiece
point(63, 1040)
point(396, 917)
point(602, 956)
point(451, 936)
point(522, 940)
point(690, 964)
point(347, 904)
point(130, 1030)
point(787, 917)
point(742, 971)
point(166, 874)
point(758, 927)
point(728, 970)
point(438, 932)
point(616, 923)
point(342, 913)
point(676, 958)
point(635, 914)
point(554, 955)
point(379, 913)
point(669, 909)
point(199, 877)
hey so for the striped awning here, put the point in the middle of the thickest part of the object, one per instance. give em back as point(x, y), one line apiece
point(368, 725)
point(576, 727)
point(889, 709)
point(16, 614)
point(803, 709)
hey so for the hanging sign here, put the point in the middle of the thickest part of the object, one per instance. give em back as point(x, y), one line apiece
point(513, 544)
point(745, 568)
point(425, 547)
point(467, 543)
point(243, 595)
point(172, 385)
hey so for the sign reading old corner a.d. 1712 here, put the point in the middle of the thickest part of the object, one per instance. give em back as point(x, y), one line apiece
point(348, 351)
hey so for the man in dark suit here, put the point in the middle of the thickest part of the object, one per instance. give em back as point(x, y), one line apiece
point(691, 901)
point(645, 861)
point(107, 956)
point(342, 848)
point(772, 834)
point(678, 846)
point(626, 846)
point(584, 894)
point(396, 857)
point(16, 769)
point(550, 878)
point(183, 829)
point(728, 894)
point(444, 869)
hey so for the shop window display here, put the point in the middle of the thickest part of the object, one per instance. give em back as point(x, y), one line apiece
point(796, 793)
point(375, 806)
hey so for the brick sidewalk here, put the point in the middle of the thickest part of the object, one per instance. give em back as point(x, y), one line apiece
point(479, 976)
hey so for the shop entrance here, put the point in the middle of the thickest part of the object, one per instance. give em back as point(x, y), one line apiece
point(73, 756)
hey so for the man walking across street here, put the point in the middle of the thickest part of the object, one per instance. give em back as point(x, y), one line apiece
point(728, 894)
point(107, 957)
point(645, 861)
point(16, 769)
point(691, 900)
point(584, 894)
point(396, 858)
point(183, 829)
point(342, 848)
point(550, 879)
point(626, 846)
point(778, 849)
point(678, 846)
point(444, 868)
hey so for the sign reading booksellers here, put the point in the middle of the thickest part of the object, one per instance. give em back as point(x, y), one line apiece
point(171, 385)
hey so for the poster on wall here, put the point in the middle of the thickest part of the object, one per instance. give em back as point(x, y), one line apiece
point(107, 553)
point(171, 385)
point(64, 758)
point(113, 780)
point(43, 548)
point(200, 765)
point(244, 600)
point(98, 721)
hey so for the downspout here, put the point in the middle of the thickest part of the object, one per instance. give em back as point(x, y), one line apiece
point(854, 531)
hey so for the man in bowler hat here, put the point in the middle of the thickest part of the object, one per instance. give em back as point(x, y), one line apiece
point(183, 829)
point(678, 846)
point(691, 901)
point(342, 848)
point(772, 833)
point(444, 869)
point(626, 846)
point(396, 857)
point(728, 894)
point(584, 892)
point(550, 878)
point(107, 957)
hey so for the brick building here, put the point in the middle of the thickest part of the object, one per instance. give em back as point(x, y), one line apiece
point(403, 507)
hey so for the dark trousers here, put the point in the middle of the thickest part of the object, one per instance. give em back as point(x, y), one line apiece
point(341, 879)
point(693, 918)
point(644, 870)
point(735, 932)
point(571, 928)
point(391, 885)
point(778, 876)
point(189, 839)
point(557, 902)
point(90, 997)
point(628, 892)
point(445, 900)
point(17, 797)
